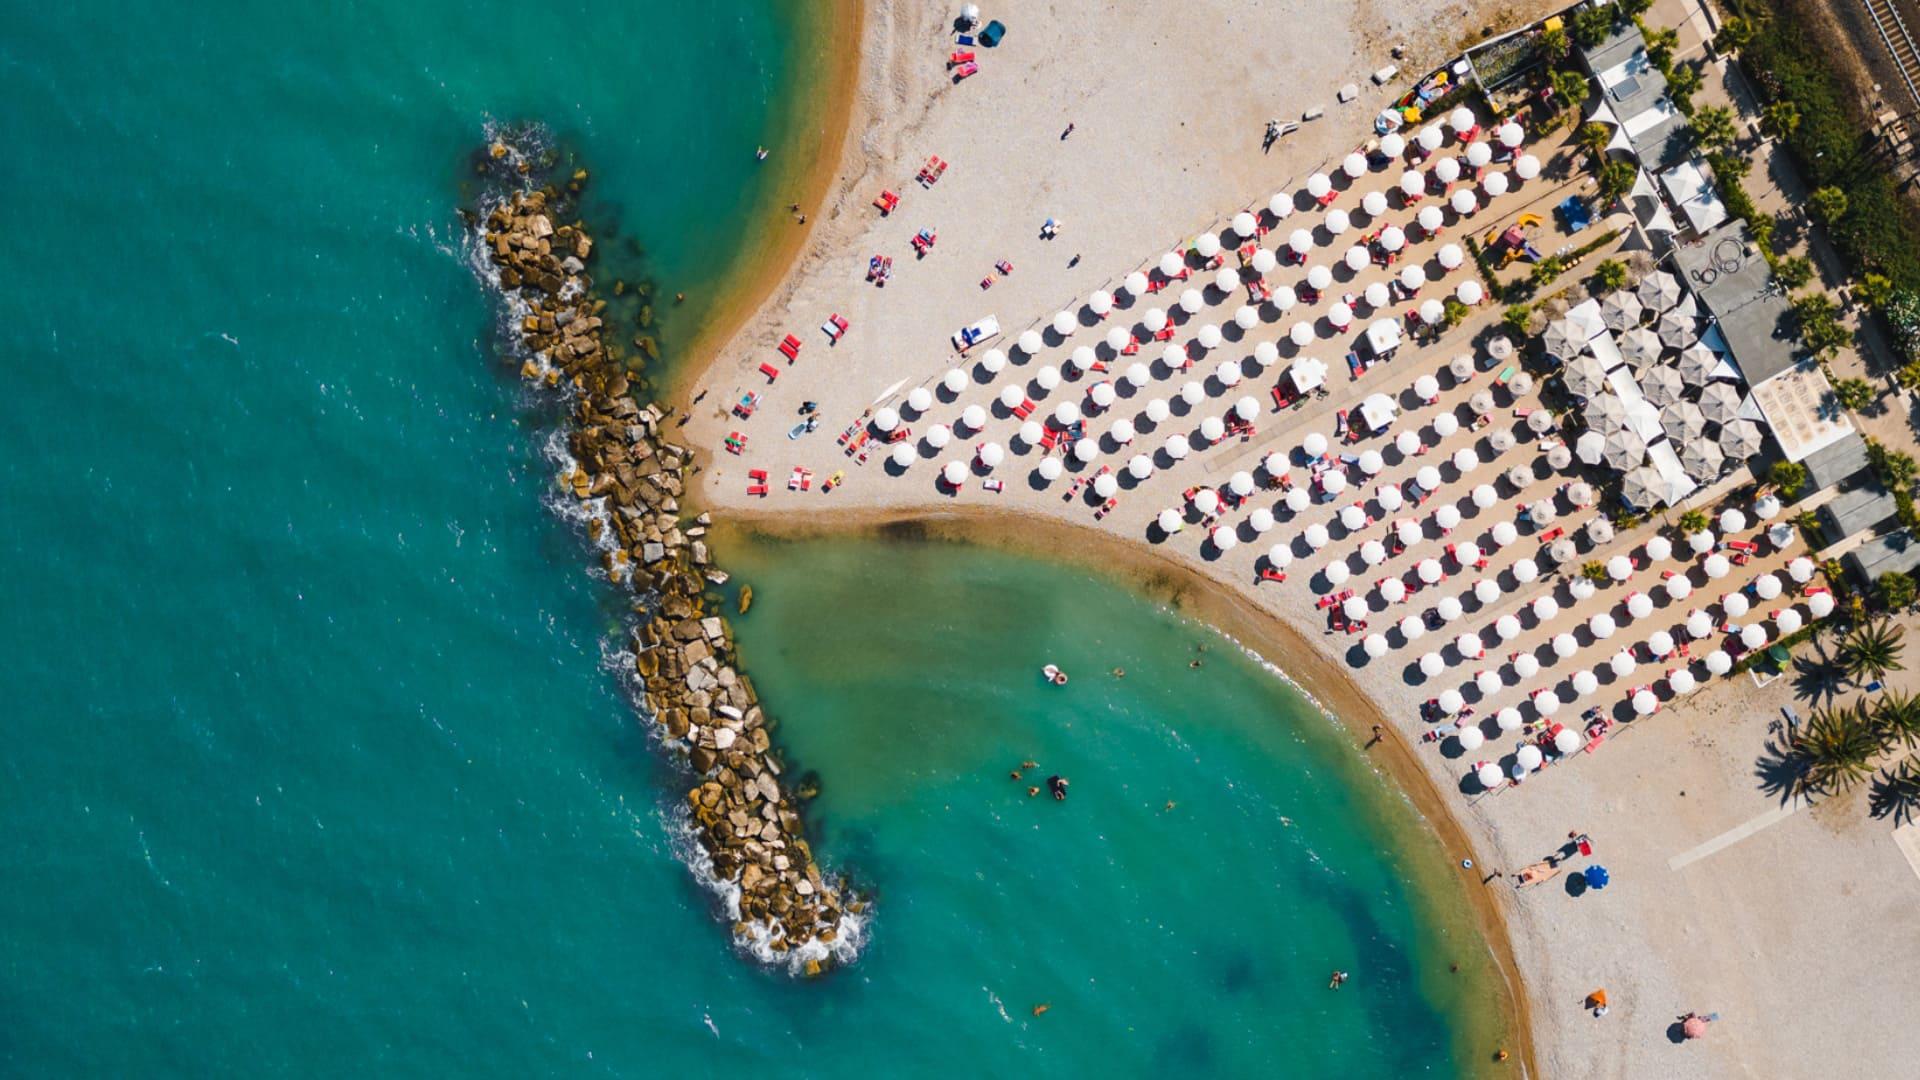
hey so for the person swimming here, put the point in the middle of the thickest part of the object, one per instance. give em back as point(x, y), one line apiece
point(1334, 983)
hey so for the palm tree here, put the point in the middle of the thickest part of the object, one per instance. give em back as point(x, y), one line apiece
point(1898, 718)
point(1873, 650)
point(1593, 138)
point(1835, 749)
point(1781, 119)
point(1694, 521)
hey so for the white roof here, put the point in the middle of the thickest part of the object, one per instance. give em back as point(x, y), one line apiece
point(1586, 316)
point(1696, 198)
point(1383, 334)
point(1606, 350)
point(1643, 417)
point(1798, 405)
point(1378, 411)
point(1307, 373)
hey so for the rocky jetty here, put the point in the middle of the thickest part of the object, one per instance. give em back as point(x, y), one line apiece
point(629, 478)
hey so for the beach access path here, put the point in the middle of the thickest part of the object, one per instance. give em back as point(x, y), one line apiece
point(1793, 931)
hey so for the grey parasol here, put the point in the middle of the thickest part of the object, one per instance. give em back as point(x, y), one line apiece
point(1563, 339)
point(1740, 439)
point(1584, 376)
point(1623, 450)
point(1658, 290)
point(1640, 347)
point(1678, 331)
point(1642, 488)
point(1696, 364)
point(1606, 413)
point(1683, 422)
point(1620, 310)
point(1702, 459)
point(1559, 457)
point(1720, 402)
point(1540, 421)
point(1661, 384)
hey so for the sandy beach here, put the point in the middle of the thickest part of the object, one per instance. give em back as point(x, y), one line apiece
point(1726, 897)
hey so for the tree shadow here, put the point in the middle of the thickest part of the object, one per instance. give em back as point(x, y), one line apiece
point(1779, 770)
point(1817, 679)
point(1896, 794)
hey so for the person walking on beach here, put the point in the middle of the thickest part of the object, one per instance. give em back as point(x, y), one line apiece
point(1377, 736)
point(1069, 131)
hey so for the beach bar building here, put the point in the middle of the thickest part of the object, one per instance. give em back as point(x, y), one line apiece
point(1673, 193)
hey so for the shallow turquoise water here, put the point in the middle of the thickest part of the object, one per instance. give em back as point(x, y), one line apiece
point(311, 759)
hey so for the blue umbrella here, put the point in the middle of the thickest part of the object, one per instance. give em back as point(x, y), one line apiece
point(1596, 877)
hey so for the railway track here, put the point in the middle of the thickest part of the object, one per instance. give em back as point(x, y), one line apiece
point(1899, 42)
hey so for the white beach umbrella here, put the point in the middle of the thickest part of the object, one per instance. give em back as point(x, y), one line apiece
point(1224, 539)
point(1471, 738)
point(973, 417)
point(1447, 169)
point(1353, 518)
point(1122, 431)
point(1428, 478)
point(1177, 446)
point(1314, 444)
point(1546, 703)
point(1450, 256)
point(1495, 185)
point(1301, 334)
point(1280, 205)
point(1264, 261)
point(1319, 185)
point(1388, 497)
point(1031, 432)
point(1467, 553)
point(954, 473)
point(1030, 342)
point(1228, 372)
point(1206, 245)
point(1175, 357)
point(1585, 682)
point(1316, 536)
point(1280, 555)
point(1601, 626)
point(1716, 566)
point(1374, 203)
point(1622, 663)
point(1510, 135)
point(1645, 703)
point(1525, 570)
point(1408, 532)
point(1701, 541)
point(1508, 719)
point(1413, 183)
point(1504, 533)
point(1206, 500)
point(1241, 483)
point(1486, 590)
point(1066, 414)
point(1392, 238)
point(992, 454)
point(1432, 664)
point(1283, 299)
point(1479, 155)
point(1719, 662)
point(1659, 643)
point(1298, 500)
point(1801, 569)
point(1445, 424)
point(1213, 429)
point(1469, 292)
point(1426, 388)
point(1226, 279)
point(955, 380)
point(903, 454)
point(1567, 740)
point(1319, 277)
point(1357, 258)
point(1526, 166)
point(1138, 375)
point(1155, 320)
point(1300, 241)
point(1375, 644)
point(1392, 145)
point(1191, 301)
point(1266, 354)
point(1276, 464)
point(1526, 665)
point(1412, 277)
point(919, 399)
point(1699, 624)
point(1355, 165)
point(1753, 635)
point(1192, 392)
point(1246, 316)
point(1429, 570)
point(1461, 120)
point(1619, 568)
point(1247, 407)
point(1337, 222)
point(1432, 311)
point(1158, 410)
point(1545, 608)
point(1639, 605)
point(1447, 517)
point(1732, 521)
point(1407, 443)
point(1371, 462)
point(1373, 553)
point(1100, 302)
point(938, 436)
point(1820, 605)
point(1051, 468)
point(1465, 459)
point(1333, 483)
point(1489, 776)
point(1484, 496)
point(1244, 226)
point(1735, 604)
point(1169, 520)
point(1766, 508)
point(1787, 622)
point(1106, 485)
point(1469, 645)
point(1766, 586)
point(1340, 316)
point(1064, 322)
point(1393, 590)
point(886, 419)
point(1135, 284)
point(1678, 587)
point(1507, 627)
point(1047, 377)
point(1209, 337)
point(1011, 396)
point(1659, 548)
point(1085, 450)
point(1464, 202)
point(1354, 607)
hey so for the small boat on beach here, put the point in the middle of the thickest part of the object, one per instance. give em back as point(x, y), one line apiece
point(1054, 675)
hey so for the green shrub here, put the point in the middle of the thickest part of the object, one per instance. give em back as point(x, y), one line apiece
point(1794, 272)
point(1610, 274)
point(1896, 590)
point(1855, 394)
point(1789, 477)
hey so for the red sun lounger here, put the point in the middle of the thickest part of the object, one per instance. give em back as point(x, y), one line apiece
point(790, 348)
point(770, 372)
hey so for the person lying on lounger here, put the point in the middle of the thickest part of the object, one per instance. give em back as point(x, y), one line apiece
point(1535, 874)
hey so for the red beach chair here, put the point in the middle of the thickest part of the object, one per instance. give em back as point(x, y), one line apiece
point(931, 171)
point(958, 58)
point(964, 71)
point(790, 348)
point(770, 372)
point(887, 202)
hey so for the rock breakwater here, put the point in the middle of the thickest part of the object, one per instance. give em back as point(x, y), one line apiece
point(628, 479)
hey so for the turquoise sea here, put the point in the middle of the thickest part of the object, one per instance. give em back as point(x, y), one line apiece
point(313, 764)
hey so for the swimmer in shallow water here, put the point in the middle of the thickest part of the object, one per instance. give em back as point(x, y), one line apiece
point(1015, 774)
point(1032, 791)
point(1119, 673)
